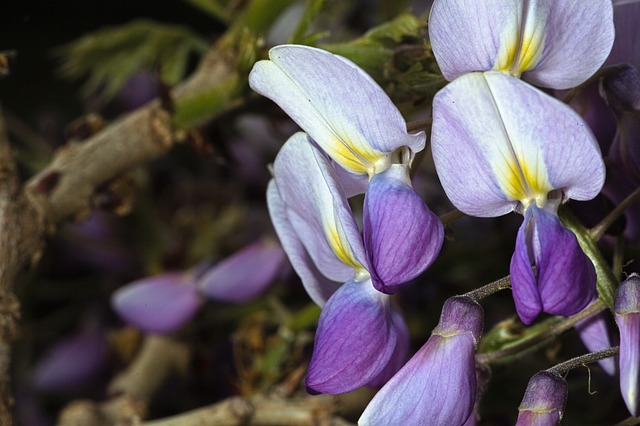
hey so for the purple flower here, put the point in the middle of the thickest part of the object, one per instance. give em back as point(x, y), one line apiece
point(437, 386)
point(627, 314)
point(544, 400)
point(595, 336)
point(244, 275)
point(159, 304)
point(528, 153)
point(357, 334)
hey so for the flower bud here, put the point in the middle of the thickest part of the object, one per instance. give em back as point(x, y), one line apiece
point(544, 399)
point(627, 314)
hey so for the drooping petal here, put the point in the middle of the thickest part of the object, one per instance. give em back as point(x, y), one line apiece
point(566, 276)
point(402, 236)
point(627, 314)
point(244, 275)
point(72, 362)
point(400, 353)
point(594, 334)
point(544, 400)
point(354, 341)
point(317, 286)
point(524, 285)
point(552, 44)
point(564, 280)
point(437, 386)
point(497, 140)
point(317, 209)
point(336, 103)
point(159, 304)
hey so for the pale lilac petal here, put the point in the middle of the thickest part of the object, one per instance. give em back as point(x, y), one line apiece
point(497, 140)
point(626, 47)
point(400, 353)
point(317, 286)
point(245, 275)
point(354, 341)
point(594, 334)
point(336, 103)
point(471, 35)
point(72, 362)
point(523, 282)
point(566, 276)
point(437, 386)
point(627, 314)
point(552, 44)
point(402, 236)
point(159, 304)
point(544, 400)
point(578, 37)
point(317, 209)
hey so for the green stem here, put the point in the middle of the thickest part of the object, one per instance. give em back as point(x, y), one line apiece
point(533, 341)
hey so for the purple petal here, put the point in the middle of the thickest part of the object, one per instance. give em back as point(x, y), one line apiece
point(354, 341)
point(341, 107)
point(400, 353)
point(438, 384)
point(244, 275)
point(317, 209)
point(436, 387)
point(159, 304)
point(71, 362)
point(497, 141)
point(555, 44)
point(566, 276)
point(627, 310)
point(402, 236)
point(594, 334)
point(565, 279)
point(544, 400)
point(523, 282)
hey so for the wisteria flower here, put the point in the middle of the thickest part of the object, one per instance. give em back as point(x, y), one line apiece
point(549, 43)
point(544, 400)
point(528, 153)
point(627, 314)
point(437, 386)
point(357, 335)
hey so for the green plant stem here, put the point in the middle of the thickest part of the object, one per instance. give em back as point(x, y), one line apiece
point(564, 367)
point(598, 231)
point(451, 216)
point(531, 342)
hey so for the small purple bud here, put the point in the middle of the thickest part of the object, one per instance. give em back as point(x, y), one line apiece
point(72, 362)
point(620, 87)
point(159, 304)
point(627, 314)
point(244, 275)
point(438, 384)
point(543, 402)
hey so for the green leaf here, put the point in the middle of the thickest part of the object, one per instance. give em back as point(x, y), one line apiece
point(401, 27)
point(311, 10)
point(107, 58)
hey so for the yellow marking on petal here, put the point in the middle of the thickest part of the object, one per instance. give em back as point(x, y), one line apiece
point(520, 181)
point(522, 53)
point(341, 248)
point(354, 158)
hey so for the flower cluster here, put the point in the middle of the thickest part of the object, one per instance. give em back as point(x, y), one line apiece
point(500, 144)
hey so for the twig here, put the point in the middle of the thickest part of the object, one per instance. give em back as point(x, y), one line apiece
point(597, 231)
point(564, 367)
point(20, 231)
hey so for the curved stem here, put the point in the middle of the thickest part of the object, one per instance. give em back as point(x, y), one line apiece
point(530, 342)
point(451, 216)
point(489, 289)
point(564, 367)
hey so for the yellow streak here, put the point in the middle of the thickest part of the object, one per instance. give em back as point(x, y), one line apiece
point(341, 248)
point(522, 182)
point(522, 53)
